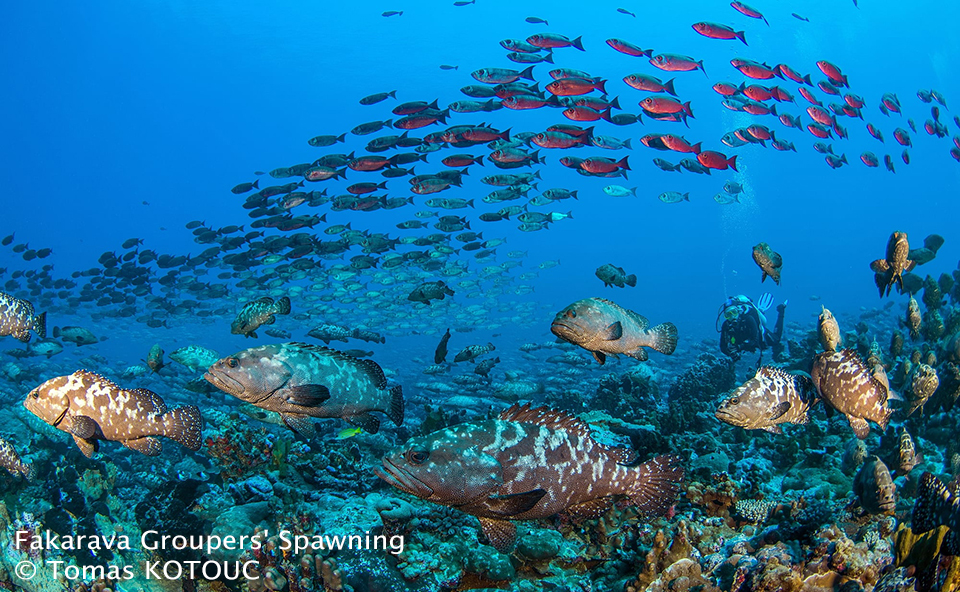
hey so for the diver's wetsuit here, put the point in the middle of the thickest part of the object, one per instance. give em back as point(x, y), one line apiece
point(744, 334)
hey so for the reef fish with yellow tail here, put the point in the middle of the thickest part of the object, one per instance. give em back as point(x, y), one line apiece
point(10, 460)
point(300, 381)
point(524, 465)
point(890, 269)
point(91, 408)
point(262, 311)
point(604, 328)
point(17, 318)
point(770, 398)
point(769, 262)
point(846, 384)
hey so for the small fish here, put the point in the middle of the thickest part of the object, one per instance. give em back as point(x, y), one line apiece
point(18, 318)
point(378, 97)
point(890, 269)
point(92, 408)
point(154, 359)
point(625, 11)
point(619, 191)
point(769, 261)
point(612, 275)
point(77, 335)
point(10, 460)
point(726, 199)
point(392, 13)
point(923, 384)
point(604, 328)
point(429, 291)
point(802, 18)
point(440, 355)
point(907, 452)
point(262, 311)
point(525, 465)
point(300, 381)
point(448, 67)
point(484, 367)
point(914, 318)
point(748, 11)
point(846, 384)
point(194, 357)
point(732, 187)
point(347, 433)
point(536, 21)
point(828, 331)
point(473, 351)
point(770, 398)
point(874, 487)
point(672, 197)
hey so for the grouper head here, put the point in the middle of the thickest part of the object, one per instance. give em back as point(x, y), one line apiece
point(51, 400)
point(251, 375)
point(447, 467)
point(580, 322)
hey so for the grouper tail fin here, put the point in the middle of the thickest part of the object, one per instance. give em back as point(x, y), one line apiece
point(395, 412)
point(656, 485)
point(184, 425)
point(664, 338)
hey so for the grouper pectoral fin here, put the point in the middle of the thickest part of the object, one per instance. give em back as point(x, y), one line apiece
point(301, 424)
point(513, 504)
point(778, 411)
point(502, 534)
point(774, 429)
point(600, 357)
point(147, 446)
point(307, 395)
point(613, 332)
point(82, 426)
point(87, 447)
point(369, 423)
point(860, 427)
point(638, 354)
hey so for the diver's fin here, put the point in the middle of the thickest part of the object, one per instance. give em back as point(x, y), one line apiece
point(307, 395)
point(369, 423)
point(301, 424)
point(82, 426)
point(513, 504)
point(502, 534)
point(147, 446)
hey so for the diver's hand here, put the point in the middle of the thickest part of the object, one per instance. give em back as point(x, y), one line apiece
point(782, 307)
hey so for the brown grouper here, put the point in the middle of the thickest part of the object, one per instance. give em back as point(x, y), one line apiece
point(91, 408)
point(527, 464)
point(300, 381)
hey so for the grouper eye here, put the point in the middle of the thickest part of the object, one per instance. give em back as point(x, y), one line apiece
point(417, 457)
point(572, 314)
point(233, 362)
point(734, 401)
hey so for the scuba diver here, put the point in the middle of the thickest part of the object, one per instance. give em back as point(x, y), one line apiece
point(744, 326)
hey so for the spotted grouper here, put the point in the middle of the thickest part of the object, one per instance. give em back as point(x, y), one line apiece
point(300, 381)
point(527, 464)
point(604, 328)
point(847, 384)
point(770, 398)
point(91, 408)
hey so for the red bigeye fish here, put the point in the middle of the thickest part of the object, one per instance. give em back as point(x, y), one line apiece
point(748, 11)
point(717, 31)
point(627, 48)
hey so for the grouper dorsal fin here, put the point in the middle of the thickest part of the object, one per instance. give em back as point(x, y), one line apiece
point(369, 367)
point(153, 400)
point(546, 417)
